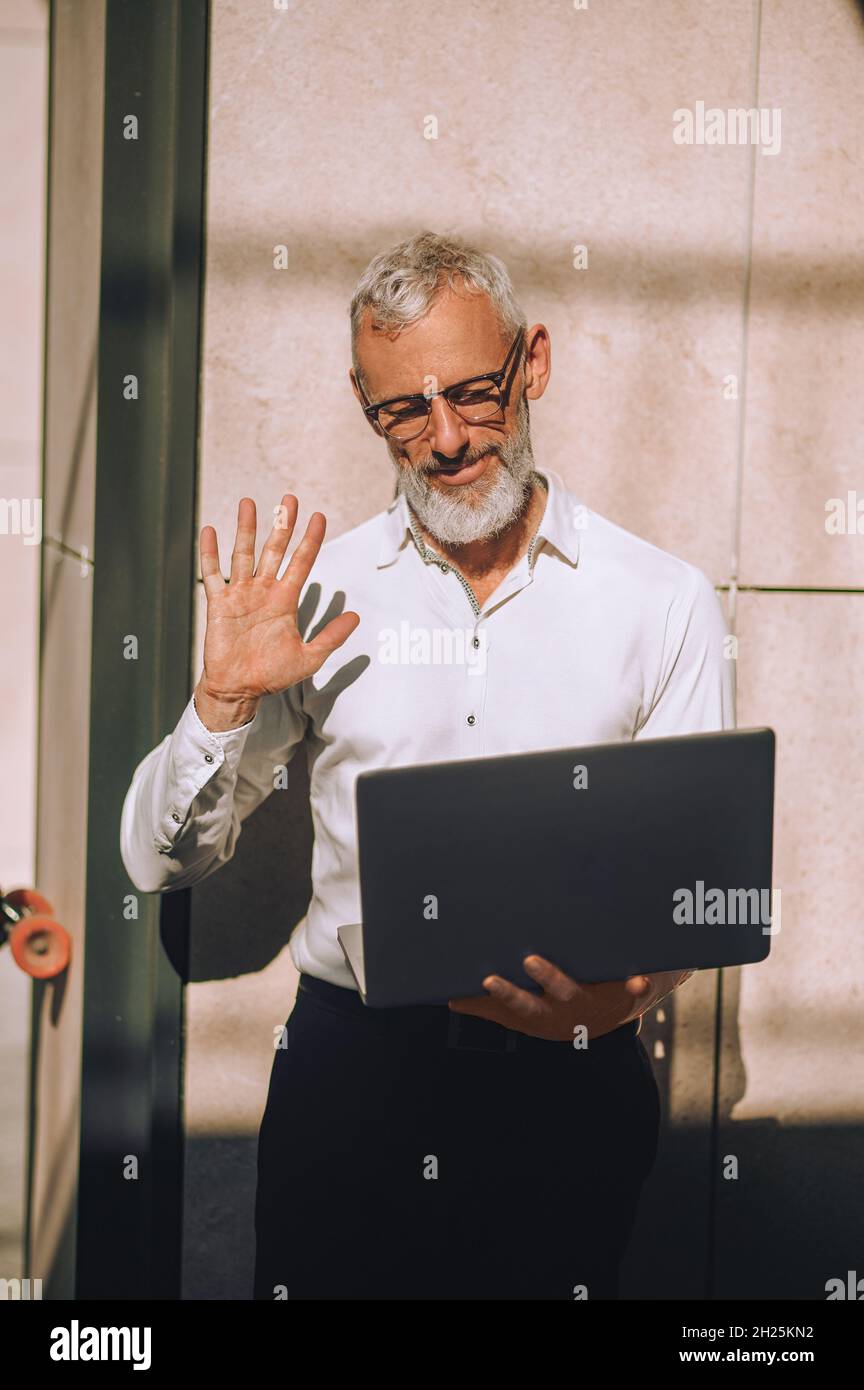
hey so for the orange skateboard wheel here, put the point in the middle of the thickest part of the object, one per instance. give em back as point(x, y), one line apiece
point(40, 945)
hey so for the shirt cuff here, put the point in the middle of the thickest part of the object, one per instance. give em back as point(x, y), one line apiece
point(197, 754)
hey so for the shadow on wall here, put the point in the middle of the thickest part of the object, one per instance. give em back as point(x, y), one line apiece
point(245, 912)
point(630, 272)
point(790, 1207)
point(800, 1171)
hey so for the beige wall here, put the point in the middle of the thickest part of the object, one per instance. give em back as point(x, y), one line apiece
point(704, 262)
point(23, 86)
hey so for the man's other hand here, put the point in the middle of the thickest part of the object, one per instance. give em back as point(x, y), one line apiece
point(566, 1005)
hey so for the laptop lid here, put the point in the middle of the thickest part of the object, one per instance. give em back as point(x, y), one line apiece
point(610, 860)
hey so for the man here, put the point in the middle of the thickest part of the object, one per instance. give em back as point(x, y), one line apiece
point(470, 1151)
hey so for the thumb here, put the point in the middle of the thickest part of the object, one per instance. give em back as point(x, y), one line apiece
point(638, 985)
point(337, 631)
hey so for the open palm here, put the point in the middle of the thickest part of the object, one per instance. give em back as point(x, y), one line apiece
point(252, 645)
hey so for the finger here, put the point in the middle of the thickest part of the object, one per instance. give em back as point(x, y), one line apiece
point(553, 980)
point(243, 554)
point(502, 1005)
point(471, 1004)
point(638, 985)
point(337, 631)
point(304, 556)
point(211, 571)
point(285, 519)
point(518, 1001)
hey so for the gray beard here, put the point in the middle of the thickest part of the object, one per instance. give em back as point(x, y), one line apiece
point(479, 510)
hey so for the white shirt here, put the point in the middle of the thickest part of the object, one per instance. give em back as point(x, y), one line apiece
point(595, 636)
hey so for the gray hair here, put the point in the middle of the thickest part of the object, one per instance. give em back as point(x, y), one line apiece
point(400, 284)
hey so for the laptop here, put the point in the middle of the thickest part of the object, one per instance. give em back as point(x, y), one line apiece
point(610, 860)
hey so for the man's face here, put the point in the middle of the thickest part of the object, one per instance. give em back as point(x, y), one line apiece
point(465, 482)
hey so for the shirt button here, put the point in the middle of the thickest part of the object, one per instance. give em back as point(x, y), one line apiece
point(475, 642)
point(472, 719)
point(445, 569)
point(208, 757)
point(174, 816)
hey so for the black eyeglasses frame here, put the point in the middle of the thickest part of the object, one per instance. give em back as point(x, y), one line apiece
point(371, 411)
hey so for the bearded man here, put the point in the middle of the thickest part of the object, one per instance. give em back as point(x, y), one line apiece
point(469, 1150)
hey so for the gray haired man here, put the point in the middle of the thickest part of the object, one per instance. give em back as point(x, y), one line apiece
point(471, 1150)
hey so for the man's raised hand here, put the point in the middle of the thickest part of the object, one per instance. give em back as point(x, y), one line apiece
point(252, 645)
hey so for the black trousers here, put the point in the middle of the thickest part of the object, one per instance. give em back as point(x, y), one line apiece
point(420, 1154)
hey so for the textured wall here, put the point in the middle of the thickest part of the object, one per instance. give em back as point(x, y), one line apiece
point(705, 263)
point(23, 137)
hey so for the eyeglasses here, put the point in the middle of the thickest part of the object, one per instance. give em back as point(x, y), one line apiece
point(476, 399)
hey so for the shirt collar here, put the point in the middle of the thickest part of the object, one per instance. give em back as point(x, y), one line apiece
point(560, 526)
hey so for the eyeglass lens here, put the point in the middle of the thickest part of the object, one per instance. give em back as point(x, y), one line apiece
point(479, 400)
